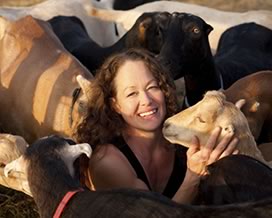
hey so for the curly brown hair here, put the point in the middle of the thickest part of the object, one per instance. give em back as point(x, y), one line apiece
point(102, 122)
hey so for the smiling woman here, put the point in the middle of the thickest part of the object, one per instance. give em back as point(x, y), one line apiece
point(132, 95)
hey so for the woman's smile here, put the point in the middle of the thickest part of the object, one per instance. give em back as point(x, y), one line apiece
point(148, 113)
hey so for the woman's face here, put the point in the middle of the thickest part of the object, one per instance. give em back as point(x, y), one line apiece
point(139, 99)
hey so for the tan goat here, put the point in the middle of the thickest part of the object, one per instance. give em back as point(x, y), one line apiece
point(39, 86)
point(199, 120)
point(11, 148)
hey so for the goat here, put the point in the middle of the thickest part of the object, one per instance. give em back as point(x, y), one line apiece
point(213, 110)
point(234, 179)
point(11, 147)
point(147, 33)
point(243, 49)
point(50, 161)
point(255, 89)
point(220, 20)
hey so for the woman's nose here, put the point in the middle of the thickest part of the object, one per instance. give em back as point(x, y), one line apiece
point(145, 98)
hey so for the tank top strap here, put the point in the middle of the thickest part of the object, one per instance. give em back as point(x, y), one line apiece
point(134, 162)
point(178, 172)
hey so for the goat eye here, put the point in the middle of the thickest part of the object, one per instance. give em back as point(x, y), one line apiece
point(196, 30)
point(81, 104)
point(200, 120)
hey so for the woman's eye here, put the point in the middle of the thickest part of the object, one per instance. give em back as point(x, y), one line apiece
point(200, 120)
point(131, 94)
point(153, 87)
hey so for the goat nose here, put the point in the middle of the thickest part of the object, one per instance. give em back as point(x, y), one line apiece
point(166, 125)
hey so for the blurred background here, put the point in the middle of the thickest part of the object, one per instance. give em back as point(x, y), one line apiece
point(230, 5)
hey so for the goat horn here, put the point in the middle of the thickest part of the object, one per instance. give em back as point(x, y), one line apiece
point(240, 103)
point(84, 84)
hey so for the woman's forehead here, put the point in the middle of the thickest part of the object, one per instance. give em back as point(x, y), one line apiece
point(132, 73)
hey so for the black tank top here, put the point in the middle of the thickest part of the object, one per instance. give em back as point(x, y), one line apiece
point(176, 177)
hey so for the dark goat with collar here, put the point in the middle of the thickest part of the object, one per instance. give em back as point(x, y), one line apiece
point(147, 33)
point(49, 164)
point(242, 50)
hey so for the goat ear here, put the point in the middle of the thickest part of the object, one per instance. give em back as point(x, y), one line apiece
point(209, 28)
point(228, 129)
point(240, 103)
point(18, 165)
point(254, 107)
point(72, 152)
point(85, 85)
point(142, 29)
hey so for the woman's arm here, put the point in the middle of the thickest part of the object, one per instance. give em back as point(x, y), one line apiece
point(198, 157)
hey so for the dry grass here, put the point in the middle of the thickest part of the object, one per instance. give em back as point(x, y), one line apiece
point(16, 204)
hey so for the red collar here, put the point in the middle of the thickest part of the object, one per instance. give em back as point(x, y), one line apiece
point(64, 201)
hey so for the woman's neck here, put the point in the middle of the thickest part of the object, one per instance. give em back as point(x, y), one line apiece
point(155, 155)
point(146, 139)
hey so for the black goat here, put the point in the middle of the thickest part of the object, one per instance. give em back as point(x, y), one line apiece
point(147, 33)
point(51, 176)
point(235, 179)
point(126, 5)
point(242, 50)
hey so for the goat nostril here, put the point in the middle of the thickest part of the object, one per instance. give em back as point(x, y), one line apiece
point(166, 125)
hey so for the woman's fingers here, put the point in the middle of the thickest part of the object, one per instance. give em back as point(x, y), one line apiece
point(194, 160)
point(207, 149)
point(221, 147)
point(199, 156)
point(194, 147)
point(231, 149)
point(236, 151)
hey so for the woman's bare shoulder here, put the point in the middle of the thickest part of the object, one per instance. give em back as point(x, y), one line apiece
point(110, 169)
point(105, 154)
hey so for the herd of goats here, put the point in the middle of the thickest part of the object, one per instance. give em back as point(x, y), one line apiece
point(49, 55)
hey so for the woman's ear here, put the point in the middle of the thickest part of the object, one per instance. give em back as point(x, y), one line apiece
point(115, 105)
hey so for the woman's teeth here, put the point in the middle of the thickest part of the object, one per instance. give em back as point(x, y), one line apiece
point(148, 113)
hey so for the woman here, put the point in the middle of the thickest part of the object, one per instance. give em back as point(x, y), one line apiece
point(132, 96)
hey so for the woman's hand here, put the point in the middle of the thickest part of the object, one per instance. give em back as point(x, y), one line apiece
point(198, 157)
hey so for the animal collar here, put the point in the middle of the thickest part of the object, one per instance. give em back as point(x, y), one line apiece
point(64, 202)
point(75, 97)
point(186, 102)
